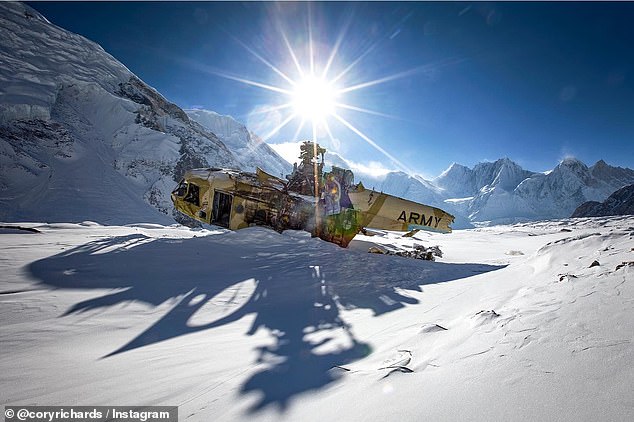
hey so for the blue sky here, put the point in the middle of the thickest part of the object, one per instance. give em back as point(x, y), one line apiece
point(438, 82)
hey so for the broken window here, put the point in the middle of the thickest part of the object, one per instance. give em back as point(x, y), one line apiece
point(181, 189)
point(193, 195)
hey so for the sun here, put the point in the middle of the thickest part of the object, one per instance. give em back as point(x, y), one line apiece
point(314, 99)
point(314, 91)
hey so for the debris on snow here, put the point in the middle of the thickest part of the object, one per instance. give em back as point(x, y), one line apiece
point(417, 252)
point(625, 264)
point(563, 277)
point(432, 328)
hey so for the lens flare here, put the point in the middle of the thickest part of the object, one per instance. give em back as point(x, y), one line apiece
point(314, 98)
point(312, 95)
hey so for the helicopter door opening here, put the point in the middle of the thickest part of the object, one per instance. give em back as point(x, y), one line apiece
point(222, 209)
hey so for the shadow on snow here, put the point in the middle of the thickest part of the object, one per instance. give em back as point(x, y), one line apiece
point(300, 286)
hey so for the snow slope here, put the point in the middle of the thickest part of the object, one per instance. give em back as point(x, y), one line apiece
point(80, 132)
point(250, 150)
point(512, 323)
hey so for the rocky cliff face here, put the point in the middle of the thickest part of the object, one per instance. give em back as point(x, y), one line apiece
point(620, 202)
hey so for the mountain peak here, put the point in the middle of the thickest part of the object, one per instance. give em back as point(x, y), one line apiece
point(572, 164)
point(509, 174)
point(571, 161)
point(613, 175)
point(454, 168)
point(571, 168)
point(456, 180)
point(505, 160)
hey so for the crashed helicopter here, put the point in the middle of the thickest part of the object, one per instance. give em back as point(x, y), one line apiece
point(328, 205)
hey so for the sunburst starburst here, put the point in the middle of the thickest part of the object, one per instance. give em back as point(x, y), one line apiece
point(315, 97)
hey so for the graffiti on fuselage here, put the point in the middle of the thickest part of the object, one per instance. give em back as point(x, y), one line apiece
point(419, 219)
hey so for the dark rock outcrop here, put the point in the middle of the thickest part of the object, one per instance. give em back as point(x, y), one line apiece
point(620, 202)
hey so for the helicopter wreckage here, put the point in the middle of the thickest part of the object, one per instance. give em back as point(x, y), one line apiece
point(328, 205)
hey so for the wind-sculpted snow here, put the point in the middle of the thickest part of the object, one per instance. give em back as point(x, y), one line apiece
point(39, 57)
point(255, 272)
point(531, 322)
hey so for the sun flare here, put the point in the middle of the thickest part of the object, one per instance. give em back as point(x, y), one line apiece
point(313, 92)
point(314, 99)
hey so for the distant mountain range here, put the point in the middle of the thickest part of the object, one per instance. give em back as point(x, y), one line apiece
point(83, 138)
point(502, 192)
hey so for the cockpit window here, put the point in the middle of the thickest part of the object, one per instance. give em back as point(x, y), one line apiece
point(192, 195)
point(181, 189)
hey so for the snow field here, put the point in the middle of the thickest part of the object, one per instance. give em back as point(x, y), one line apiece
point(512, 323)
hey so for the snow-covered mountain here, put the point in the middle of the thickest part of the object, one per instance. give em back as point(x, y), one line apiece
point(396, 183)
point(620, 202)
point(83, 138)
point(407, 186)
point(250, 150)
point(460, 181)
point(503, 192)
